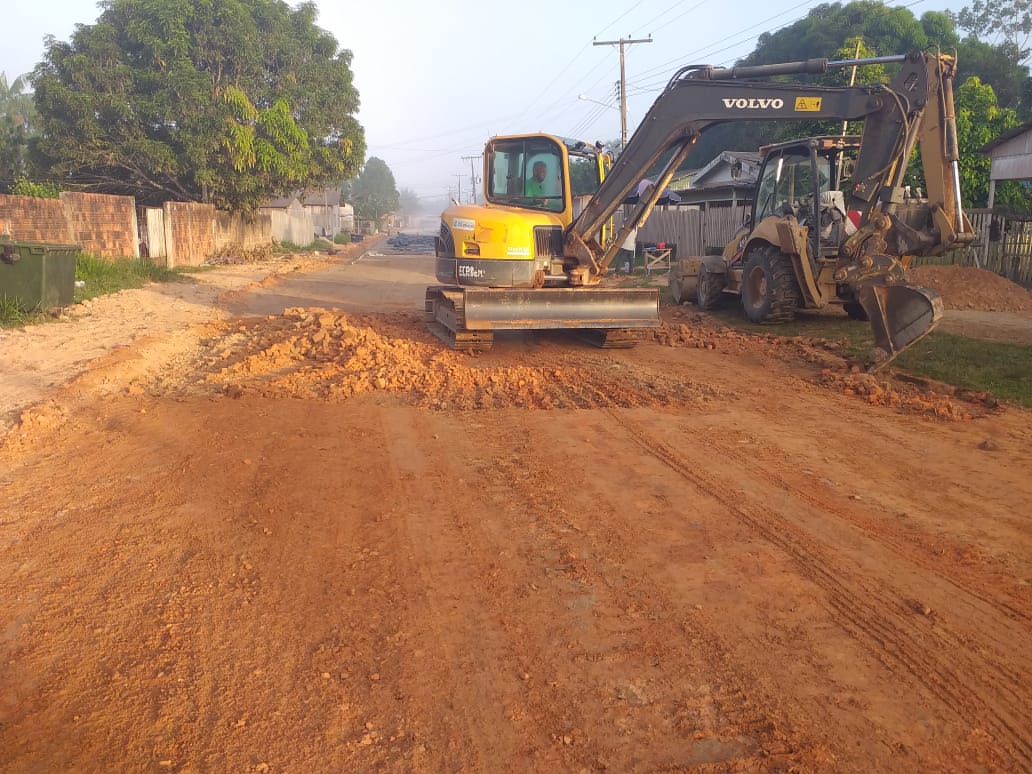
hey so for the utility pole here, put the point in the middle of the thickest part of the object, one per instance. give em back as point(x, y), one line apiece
point(458, 185)
point(623, 79)
point(852, 81)
point(473, 174)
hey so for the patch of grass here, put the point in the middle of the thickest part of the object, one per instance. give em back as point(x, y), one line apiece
point(855, 336)
point(103, 276)
point(312, 247)
point(1003, 369)
point(13, 316)
point(640, 280)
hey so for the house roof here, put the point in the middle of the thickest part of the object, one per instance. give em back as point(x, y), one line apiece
point(748, 161)
point(316, 198)
point(1010, 134)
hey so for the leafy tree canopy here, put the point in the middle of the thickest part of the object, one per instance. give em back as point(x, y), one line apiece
point(373, 192)
point(980, 119)
point(17, 121)
point(408, 201)
point(1008, 21)
point(832, 30)
point(221, 101)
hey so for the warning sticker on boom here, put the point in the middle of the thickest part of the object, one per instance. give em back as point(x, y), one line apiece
point(808, 104)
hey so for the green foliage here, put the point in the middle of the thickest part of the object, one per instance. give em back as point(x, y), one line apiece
point(12, 315)
point(343, 238)
point(408, 201)
point(221, 101)
point(979, 120)
point(1005, 370)
point(373, 192)
point(17, 122)
point(1001, 20)
point(311, 247)
point(832, 29)
point(24, 187)
point(105, 275)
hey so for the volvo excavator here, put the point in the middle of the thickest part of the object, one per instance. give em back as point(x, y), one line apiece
point(533, 256)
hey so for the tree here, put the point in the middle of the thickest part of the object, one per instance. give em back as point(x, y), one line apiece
point(979, 120)
point(221, 101)
point(17, 120)
point(832, 29)
point(373, 192)
point(408, 201)
point(1008, 21)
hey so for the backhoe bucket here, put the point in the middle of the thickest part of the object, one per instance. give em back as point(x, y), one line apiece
point(900, 315)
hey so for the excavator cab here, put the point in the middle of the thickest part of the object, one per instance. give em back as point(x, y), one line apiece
point(502, 264)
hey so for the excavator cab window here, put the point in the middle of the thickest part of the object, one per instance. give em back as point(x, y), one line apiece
point(526, 172)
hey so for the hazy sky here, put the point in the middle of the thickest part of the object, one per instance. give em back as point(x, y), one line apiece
point(437, 79)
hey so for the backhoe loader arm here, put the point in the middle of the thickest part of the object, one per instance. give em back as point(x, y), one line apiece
point(697, 99)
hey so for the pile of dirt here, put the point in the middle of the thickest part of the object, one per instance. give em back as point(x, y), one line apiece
point(329, 355)
point(880, 390)
point(966, 287)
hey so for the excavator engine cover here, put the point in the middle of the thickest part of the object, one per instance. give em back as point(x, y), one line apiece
point(900, 315)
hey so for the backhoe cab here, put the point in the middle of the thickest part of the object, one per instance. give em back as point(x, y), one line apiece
point(799, 187)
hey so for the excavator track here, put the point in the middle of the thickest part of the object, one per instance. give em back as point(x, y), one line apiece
point(612, 338)
point(446, 319)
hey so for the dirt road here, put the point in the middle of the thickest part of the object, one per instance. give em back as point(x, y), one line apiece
point(293, 540)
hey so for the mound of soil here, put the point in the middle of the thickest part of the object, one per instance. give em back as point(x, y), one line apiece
point(965, 287)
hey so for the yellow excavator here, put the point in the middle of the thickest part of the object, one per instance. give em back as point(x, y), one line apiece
point(534, 255)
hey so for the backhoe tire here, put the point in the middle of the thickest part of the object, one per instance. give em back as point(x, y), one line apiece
point(770, 293)
point(710, 289)
point(856, 311)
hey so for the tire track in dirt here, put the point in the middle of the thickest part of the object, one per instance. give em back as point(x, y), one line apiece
point(860, 607)
point(901, 545)
point(611, 662)
point(621, 621)
point(447, 606)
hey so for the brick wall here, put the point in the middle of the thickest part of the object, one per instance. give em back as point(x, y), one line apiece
point(183, 233)
point(35, 220)
point(104, 226)
point(189, 233)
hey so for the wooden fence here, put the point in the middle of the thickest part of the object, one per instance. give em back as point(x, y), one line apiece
point(1003, 245)
point(693, 228)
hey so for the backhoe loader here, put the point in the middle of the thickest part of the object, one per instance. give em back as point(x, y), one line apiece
point(531, 259)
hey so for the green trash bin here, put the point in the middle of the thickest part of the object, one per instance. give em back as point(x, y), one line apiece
point(37, 275)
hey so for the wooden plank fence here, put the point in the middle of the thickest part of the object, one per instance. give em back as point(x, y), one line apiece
point(693, 229)
point(1003, 244)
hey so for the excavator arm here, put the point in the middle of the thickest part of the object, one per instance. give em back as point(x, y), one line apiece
point(895, 115)
point(915, 107)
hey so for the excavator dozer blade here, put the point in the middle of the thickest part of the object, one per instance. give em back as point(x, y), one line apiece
point(466, 317)
point(900, 315)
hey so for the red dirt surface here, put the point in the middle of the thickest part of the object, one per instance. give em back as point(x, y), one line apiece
point(967, 287)
point(316, 540)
